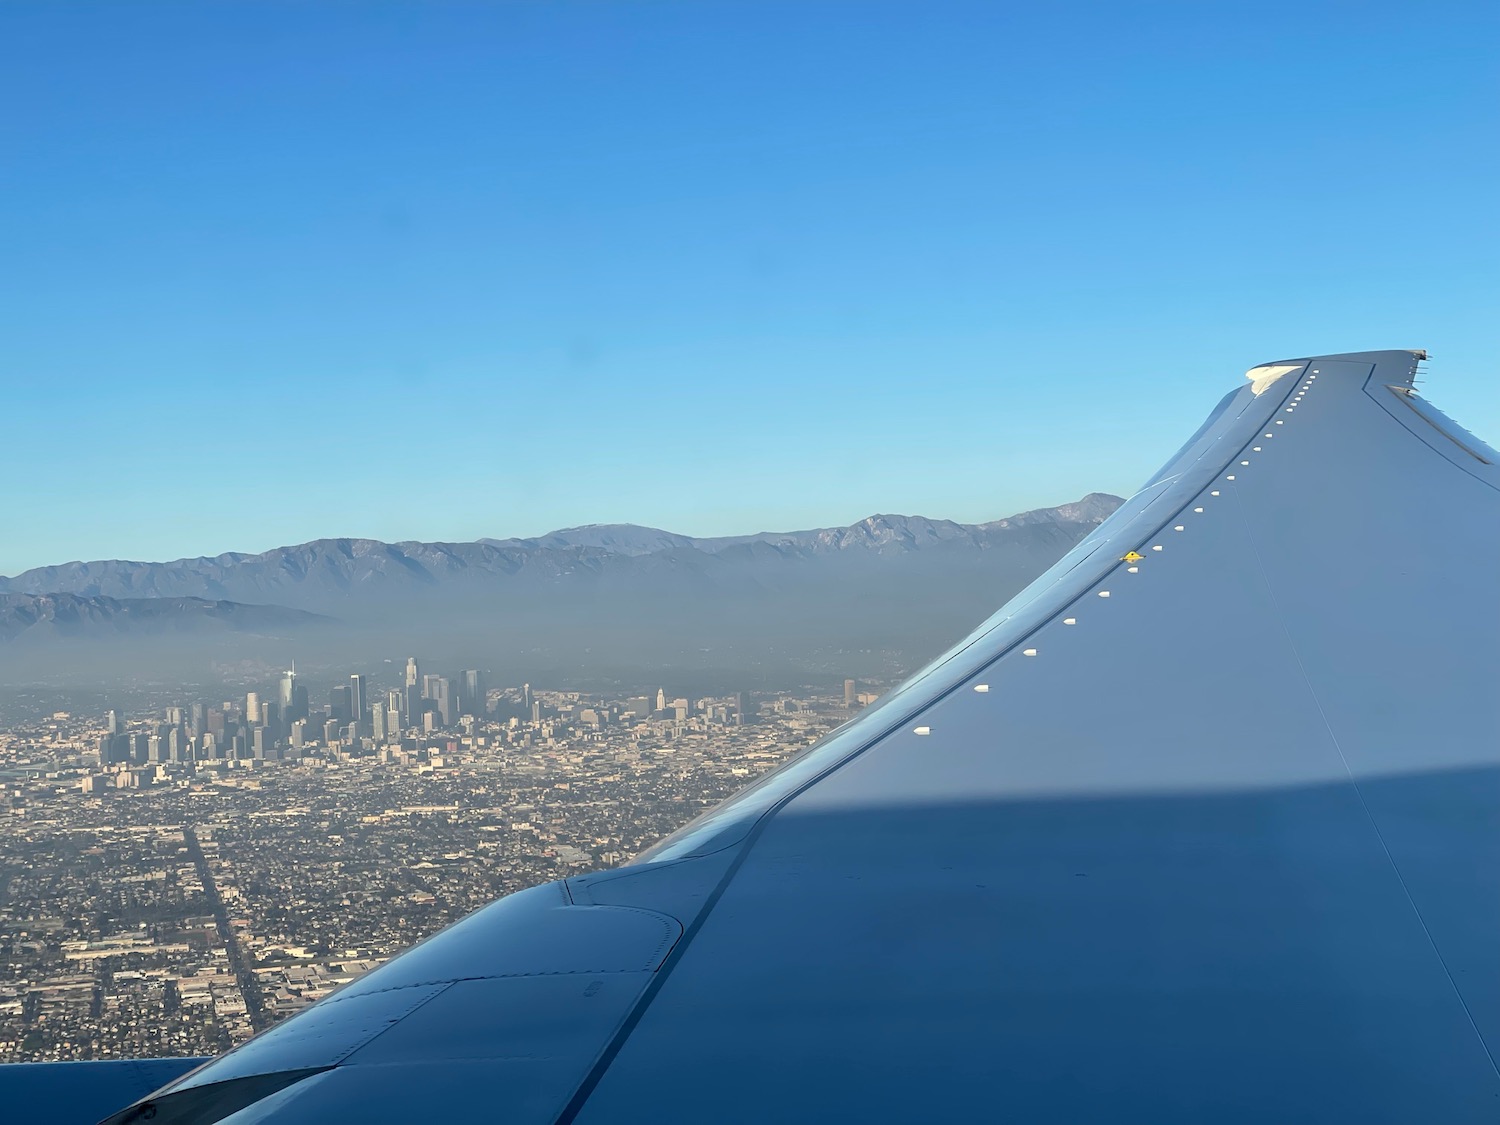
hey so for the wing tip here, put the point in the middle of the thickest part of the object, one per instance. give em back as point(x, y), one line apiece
point(1395, 365)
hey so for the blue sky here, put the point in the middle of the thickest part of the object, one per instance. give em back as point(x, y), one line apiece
point(272, 272)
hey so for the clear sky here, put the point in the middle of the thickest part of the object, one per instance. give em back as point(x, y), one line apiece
point(273, 272)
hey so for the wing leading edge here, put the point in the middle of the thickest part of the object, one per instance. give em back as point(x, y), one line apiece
point(1207, 834)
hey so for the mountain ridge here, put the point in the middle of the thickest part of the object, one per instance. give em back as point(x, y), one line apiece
point(587, 543)
point(62, 615)
point(615, 595)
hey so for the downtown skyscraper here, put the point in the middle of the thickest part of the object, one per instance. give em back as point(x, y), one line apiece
point(357, 701)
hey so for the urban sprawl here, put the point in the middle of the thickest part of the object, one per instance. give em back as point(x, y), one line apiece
point(171, 884)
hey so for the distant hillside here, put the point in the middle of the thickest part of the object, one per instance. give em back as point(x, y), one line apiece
point(598, 601)
point(327, 574)
point(39, 617)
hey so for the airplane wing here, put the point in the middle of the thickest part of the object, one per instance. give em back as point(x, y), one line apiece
point(1204, 825)
point(82, 1091)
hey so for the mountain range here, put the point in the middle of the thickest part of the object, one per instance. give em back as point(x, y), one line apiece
point(590, 602)
point(330, 575)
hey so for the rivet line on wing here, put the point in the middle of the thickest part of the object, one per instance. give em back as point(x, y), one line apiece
point(1133, 558)
point(1244, 463)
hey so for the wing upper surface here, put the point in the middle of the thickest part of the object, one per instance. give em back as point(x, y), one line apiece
point(1200, 826)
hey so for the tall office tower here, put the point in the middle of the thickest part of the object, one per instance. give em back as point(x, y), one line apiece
point(413, 678)
point(357, 700)
point(140, 748)
point(176, 745)
point(252, 708)
point(377, 722)
point(411, 699)
point(851, 693)
point(210, 746)
point(330, 732)
point(339, 707)
point(526, 697)
point(299, 733)
point(536, 710)
point(238, 746)
point(395, 702)
point(429, 721)
point(155, 750)
point(174, 716)
point(351, 734)
point(471, 699)
point(260, 743)
point(661, 699)
point(292, 696)
point(198, 718)
point(119, 747)
point(270, 716)
point(442, 698)
point(112, 724)
point(215, 721)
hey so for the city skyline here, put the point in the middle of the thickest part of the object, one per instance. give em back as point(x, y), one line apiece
point(177, 904)
point(250, 726)
point(291, 273)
